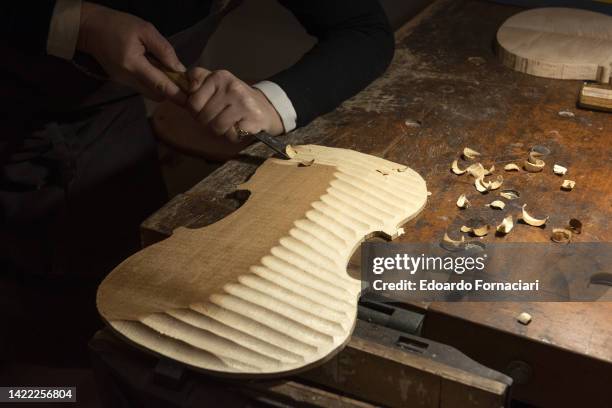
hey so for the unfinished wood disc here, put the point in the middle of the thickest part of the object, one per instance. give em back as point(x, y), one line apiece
point(558, 43)
point(265, 290)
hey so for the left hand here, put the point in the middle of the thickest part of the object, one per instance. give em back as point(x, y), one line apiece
point(221, 102)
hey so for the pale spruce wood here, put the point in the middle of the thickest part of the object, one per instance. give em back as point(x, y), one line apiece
point(265, 290)
point(560, 43)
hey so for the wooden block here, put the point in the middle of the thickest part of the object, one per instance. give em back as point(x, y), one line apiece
point(558, 43)
point(596, 96)
point(265, 290)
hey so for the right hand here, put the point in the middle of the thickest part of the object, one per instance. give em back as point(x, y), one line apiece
point(120, 42)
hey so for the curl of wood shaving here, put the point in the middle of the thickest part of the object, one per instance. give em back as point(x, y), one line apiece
point(498, 204)
point(291, 152)
point(495, 184)
point(470, 154)
point(561, 235)
point(476, 170)
point(455, 168)
point(568, 185)
point(533, 164)
point(536, 222)
point(483, 186)
point(307, 163)
point(510, 194)
point(491, 170)
point(506, 225)
point(452, 242)
point(511, 167)
point(463, 202)
point(559, 170)
point(480, 231)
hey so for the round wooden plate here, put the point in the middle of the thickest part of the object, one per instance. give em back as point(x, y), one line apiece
point(558, 43)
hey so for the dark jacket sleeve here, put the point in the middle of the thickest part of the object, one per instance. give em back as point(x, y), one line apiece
point(24, 25)
point(355, 46)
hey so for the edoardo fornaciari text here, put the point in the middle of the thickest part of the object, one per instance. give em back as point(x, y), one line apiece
point(462, 285)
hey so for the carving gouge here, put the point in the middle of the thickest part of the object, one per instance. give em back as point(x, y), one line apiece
point(180, 79)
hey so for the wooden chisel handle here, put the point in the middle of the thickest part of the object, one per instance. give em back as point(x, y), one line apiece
point(179, 78)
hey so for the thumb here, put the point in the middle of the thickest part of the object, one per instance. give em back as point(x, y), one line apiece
point(157, 45)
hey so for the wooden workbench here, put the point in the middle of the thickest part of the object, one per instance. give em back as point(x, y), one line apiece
point(446, 90)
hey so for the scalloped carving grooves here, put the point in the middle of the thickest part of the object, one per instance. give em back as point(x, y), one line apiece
point(264, 291)
point(558, 43)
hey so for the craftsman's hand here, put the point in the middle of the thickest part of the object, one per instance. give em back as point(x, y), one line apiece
point(120, 42)
point(221, 102)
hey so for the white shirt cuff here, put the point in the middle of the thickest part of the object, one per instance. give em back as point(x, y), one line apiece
point(64, 28)
point(281, 102)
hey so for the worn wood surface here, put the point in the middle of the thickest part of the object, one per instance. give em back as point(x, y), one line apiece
point(446, 81)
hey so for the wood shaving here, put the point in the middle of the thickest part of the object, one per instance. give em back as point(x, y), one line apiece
point(465, 228)
point(470, 154)
point(452, 242)
point(511, 167)
point(481, 185)
point(455, 168)
point(497, 204)
point(561, 235)
point(307, 163)
point(463, 202)
point(506, 225)
point(481, 231)
point(533, 164)
point(510, 194)
point(476, 170)
point(291, 152)
point(524, 318)
point(559, 170)
point(529, 219)
point(568, 185)
point(495, 184)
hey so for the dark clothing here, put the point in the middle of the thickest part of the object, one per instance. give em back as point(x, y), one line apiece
point(78, 162)
point(355, 42)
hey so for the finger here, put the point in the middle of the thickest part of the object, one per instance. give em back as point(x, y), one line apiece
point(213, 107)
point(197, 100)
point(157, 82)
point(196, 76)
point(156, 44)
point(224, 122)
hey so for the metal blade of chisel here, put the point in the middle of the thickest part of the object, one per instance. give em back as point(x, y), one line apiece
point(273, 143)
